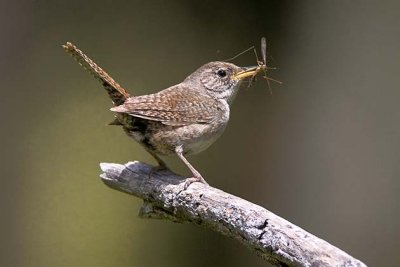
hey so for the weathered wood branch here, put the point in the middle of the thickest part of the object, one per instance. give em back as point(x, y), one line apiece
point(273, 238)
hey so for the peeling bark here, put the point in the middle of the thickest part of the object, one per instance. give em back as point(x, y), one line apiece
point(272, 237)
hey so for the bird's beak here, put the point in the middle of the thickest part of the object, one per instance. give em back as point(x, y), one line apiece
point(246, 72)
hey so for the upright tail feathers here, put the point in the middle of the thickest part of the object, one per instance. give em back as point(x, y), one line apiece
point(114, 90)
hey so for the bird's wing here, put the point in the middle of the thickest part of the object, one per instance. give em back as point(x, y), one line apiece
point(176, 106)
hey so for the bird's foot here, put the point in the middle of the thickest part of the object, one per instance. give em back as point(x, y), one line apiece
point(190, 180)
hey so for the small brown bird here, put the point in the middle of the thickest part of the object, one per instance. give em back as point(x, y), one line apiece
point(183, 119)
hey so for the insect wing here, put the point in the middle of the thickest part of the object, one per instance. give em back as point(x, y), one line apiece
point(264, 50)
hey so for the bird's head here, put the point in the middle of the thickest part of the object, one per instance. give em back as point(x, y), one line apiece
point(220, 79)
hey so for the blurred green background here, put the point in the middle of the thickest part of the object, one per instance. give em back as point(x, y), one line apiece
point(322, 151)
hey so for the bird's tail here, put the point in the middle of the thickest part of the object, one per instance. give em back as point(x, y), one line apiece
point(117, 94)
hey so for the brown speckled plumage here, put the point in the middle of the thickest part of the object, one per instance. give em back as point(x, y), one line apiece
point(117, 94)
point(177, 106)
point(183, 119)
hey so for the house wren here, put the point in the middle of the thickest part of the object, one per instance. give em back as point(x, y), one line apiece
point(183, 119)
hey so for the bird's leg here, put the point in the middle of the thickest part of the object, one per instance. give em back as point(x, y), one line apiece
point(161, 164)
point(196, 175)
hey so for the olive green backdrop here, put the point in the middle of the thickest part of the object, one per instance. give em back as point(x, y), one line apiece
point(323, 150)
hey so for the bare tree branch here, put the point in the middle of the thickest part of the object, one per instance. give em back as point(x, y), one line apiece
point(273, 238)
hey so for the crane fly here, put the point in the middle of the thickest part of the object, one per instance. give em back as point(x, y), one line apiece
point(252, 72)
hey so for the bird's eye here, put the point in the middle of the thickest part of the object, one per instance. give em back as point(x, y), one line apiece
point(221, 73)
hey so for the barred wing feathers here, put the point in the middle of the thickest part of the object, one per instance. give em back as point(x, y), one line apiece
point(175, 106)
